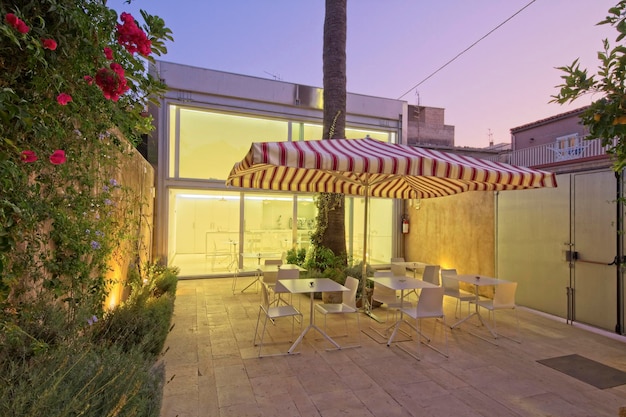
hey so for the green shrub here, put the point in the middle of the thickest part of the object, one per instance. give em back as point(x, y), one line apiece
point(141, 325)
point(91, 381)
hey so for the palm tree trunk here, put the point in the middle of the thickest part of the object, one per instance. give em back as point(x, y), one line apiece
point(334, 67)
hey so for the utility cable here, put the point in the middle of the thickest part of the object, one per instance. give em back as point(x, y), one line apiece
point(465, 50)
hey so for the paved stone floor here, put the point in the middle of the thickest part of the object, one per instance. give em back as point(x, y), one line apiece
point(212, 368)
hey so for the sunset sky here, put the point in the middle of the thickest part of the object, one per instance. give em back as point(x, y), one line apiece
point(504, 81)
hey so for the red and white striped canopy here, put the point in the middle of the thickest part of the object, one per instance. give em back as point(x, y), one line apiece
point(367, 166)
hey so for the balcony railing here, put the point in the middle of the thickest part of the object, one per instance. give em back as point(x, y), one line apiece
point(549, 154)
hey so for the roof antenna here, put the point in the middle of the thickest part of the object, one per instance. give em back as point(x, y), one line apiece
point(275, 76)
point(490, 138)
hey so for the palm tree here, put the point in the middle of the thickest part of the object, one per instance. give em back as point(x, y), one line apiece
point(330, 231)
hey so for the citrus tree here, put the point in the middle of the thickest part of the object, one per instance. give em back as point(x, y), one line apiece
point(605, 117)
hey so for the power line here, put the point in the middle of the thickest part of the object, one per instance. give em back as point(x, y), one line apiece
point(465, 50)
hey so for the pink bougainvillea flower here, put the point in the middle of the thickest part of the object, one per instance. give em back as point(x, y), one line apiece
point(108, 53)
point(22, 27)
point(89, 79)
point(112, 81)
point(16, 23)
point(11, 19)
point(63, 99)
point(58, 157)
point(50, 44)
point(131, 37)
point(28, 156)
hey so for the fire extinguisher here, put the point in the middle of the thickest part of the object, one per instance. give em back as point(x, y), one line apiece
point(405, 225)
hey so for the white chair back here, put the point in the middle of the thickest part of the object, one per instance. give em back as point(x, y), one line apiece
point(273, 262)
point(447, 282)
point(349, 297)
point(430, 303)
point(431, 274)
point(504, 296)
point(270, 277)
point(265, 298)
point(397, 260)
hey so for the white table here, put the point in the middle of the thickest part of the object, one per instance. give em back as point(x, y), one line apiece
point(401, 284)
point(259, 270)
point(477, 281)
point(311, 286)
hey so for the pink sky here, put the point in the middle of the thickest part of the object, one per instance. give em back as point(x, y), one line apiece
point(504, 81)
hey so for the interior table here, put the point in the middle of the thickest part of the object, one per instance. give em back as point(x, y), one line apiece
point(477, 281)
point(400, 284)
point(311, 286)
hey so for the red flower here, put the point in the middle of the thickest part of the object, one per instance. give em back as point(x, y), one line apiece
point(16, 23)
point(108, 53)
point(89, 79)
point(28, 156)
point(63, 99)
point(131, 37)
point(49, 44)
point(112, 81)
point(11, 19)
point(58, 157)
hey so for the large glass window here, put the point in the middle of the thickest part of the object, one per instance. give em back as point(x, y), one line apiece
point(212, 231)
point(379, 225)
point(211, 143)
point(203, 231)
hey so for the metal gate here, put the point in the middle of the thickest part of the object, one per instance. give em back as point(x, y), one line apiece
point(561, 245)
point(593, 248)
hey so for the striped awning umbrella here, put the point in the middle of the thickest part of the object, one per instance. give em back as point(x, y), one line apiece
point(368, 167)
point(371, 168)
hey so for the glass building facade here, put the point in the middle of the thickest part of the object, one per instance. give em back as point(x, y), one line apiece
point(207, 229)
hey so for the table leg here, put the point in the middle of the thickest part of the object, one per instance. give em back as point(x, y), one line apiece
point(257, 278)
point(309, 327)
point(477, 314)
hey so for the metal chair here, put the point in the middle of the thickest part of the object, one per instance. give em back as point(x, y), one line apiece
point(451, 289)
point(503, 299)
point(273, 313)
point(429, 306)
point(348, 305)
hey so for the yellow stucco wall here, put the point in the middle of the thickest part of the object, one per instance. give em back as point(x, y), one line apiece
point(455, 232)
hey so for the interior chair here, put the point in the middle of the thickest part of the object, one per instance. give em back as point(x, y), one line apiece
point(273, 313)
point(348, 305)
point(431, 274)
point(429, 306)
point(503, 299)
point(451, 289)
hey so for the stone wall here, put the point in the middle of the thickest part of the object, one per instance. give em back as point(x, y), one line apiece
point(137, 175)
point(455, 232)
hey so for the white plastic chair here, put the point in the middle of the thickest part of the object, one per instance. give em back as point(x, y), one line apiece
point(431, 274)
point(269, 277)
point(273, 313)
point(348, 305)
point(286, 273)
point(451, 289)
point(503, 299)
point(430, 305)
point(385, 295)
